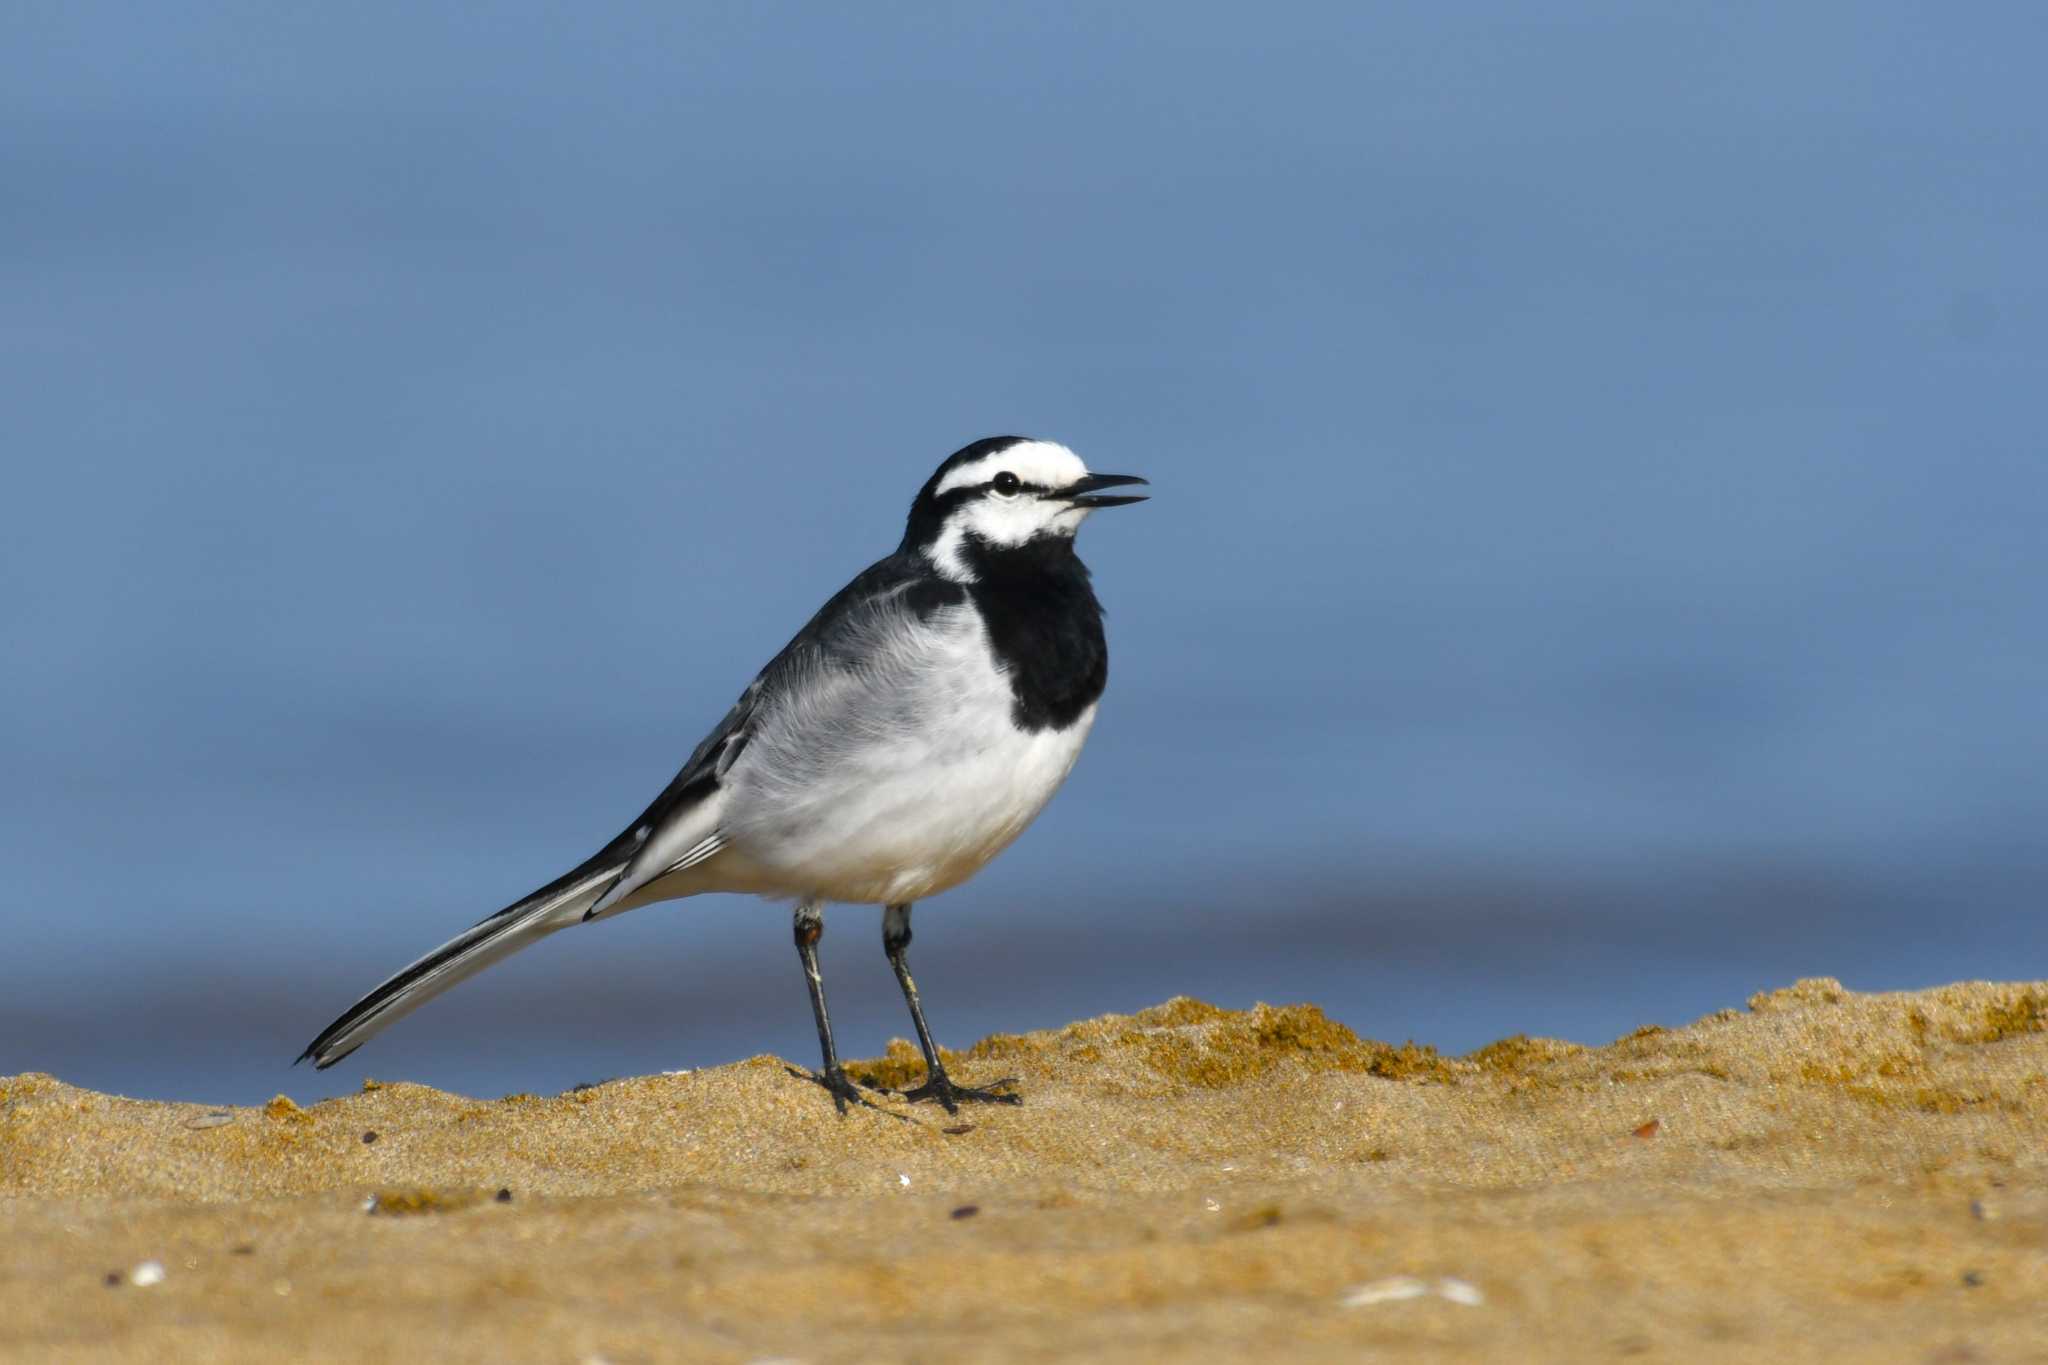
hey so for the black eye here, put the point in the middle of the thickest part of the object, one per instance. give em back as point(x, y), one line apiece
point(1006, 483)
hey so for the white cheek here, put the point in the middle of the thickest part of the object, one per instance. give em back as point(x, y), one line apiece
point(1003, 522)
point(1007, 521)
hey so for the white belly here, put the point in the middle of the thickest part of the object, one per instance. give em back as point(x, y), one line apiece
point(894, 787)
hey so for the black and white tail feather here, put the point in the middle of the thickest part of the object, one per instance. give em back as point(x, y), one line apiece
point(602, 886)
point(557, 905)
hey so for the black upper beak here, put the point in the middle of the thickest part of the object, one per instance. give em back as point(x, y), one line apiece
point(1076, 492)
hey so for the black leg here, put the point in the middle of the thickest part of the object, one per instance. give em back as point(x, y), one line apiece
point(810, 927)
point(937, 1086)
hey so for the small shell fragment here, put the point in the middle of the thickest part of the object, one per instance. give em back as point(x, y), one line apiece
point(213, 1120)
point(147, 1274)
point(1400, 1288)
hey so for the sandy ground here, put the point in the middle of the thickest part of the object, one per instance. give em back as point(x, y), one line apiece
point(1822, 1176)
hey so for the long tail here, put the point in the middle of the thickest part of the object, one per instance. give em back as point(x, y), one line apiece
point(557, 905)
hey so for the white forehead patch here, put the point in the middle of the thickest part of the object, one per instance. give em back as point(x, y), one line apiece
point(1044, 463)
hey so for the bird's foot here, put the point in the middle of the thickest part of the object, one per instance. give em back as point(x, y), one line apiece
point(941, 1088)
point(842, 1089)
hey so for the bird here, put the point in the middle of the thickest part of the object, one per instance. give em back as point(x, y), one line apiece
point(914, 727)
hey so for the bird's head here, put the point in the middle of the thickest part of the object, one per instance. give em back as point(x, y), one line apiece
point(1005, 496)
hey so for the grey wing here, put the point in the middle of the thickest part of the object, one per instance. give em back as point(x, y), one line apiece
point(685, 825)
point(842, 711)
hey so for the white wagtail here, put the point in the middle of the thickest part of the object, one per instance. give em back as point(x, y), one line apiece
point(905, 737)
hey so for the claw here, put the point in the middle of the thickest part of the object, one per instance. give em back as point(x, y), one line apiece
point(842, 1089)
point(938, 1086)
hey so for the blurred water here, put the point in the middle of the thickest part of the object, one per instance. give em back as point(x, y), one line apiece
point(1594, 571)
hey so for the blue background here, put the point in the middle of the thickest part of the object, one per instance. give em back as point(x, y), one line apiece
point(1595, 568)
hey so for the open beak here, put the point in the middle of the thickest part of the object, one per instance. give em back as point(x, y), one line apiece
point(1078, 491)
